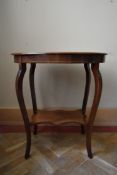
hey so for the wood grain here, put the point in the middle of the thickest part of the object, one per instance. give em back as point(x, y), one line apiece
point(65, 57)
point(58, 117)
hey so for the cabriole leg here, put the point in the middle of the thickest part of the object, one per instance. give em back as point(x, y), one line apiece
point(86, 94)
point(19, 92)
point(32, 89)
point(97, 95)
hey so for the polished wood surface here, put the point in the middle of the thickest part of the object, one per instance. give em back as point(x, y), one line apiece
point(62, 57)
point(60, 117)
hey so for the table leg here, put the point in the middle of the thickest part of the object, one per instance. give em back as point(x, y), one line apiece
point(19, 92)
point(32, 89)
point(97, 95)
point(86, 94)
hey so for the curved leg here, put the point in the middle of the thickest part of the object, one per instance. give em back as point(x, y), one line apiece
point(19, 92)
point(98, 90)
point(86, 94)
point(32, 89)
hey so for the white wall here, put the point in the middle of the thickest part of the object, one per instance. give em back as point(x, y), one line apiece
point(58, 25)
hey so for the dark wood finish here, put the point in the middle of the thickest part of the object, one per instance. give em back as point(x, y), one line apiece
point(86, 94)
point(87, 87)
point(98, 91)
point(60, 117)
point(32, 89)
point(97, 95)
point(19, 92)
point(80, 57)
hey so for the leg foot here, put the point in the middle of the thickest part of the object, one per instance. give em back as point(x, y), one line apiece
point(88, 142)
point(27, 156)
point(90, 155)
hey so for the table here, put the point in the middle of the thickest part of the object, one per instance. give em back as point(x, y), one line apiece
point(59, 117)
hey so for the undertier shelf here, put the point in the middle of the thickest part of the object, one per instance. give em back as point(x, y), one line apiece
point(58, 117)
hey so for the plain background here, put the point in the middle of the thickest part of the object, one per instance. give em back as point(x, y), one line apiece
point(58, 25)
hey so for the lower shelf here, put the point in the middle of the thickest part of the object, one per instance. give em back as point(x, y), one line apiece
point(58, 117)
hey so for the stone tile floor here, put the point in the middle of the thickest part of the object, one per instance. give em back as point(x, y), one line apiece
point(58, 154)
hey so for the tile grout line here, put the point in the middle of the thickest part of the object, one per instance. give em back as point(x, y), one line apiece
point(106, 163)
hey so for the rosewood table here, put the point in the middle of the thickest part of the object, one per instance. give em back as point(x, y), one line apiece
point(59, 117)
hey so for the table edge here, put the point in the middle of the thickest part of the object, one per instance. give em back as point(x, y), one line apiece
point(58, 53)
